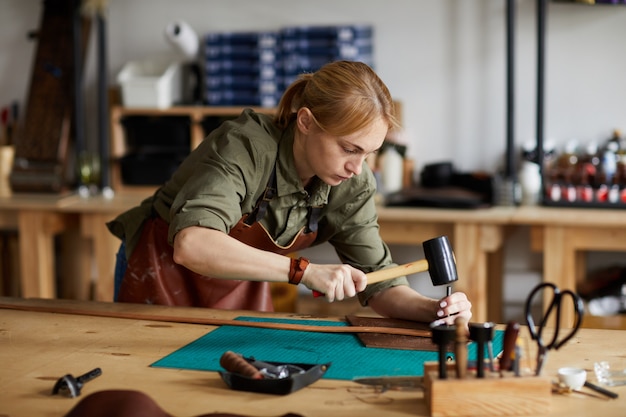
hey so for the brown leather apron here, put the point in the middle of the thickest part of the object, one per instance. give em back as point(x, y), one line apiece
point(152, 276)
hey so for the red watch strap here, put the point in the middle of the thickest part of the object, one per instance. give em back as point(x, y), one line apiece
point(296, 270)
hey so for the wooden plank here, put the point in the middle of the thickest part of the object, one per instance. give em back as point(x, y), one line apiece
point(74, 266)
point(105, 245)
point(472, 268)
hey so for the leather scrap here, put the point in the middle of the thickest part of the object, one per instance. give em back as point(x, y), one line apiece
point(129, 403)
point(392, 341)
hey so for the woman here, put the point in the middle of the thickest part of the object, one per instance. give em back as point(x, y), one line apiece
point(259, 188)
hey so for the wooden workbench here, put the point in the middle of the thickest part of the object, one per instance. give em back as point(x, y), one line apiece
point(37, 348)
point(565, 235)
point(98, 247)
point(38, 220)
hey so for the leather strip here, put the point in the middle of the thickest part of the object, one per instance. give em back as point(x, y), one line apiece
point(218, 322)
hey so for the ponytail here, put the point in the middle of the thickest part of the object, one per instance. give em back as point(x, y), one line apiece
point(343, 96)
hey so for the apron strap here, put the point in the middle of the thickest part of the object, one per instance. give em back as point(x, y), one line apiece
point(270, 191)
point(261, 206)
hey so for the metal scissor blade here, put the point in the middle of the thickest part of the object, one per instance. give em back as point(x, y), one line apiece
point(384, 383)
point(542, 353)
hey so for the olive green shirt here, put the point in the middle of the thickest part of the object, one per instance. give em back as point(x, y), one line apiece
point(225, 176)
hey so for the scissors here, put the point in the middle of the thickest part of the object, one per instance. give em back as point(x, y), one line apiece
point(554, 307)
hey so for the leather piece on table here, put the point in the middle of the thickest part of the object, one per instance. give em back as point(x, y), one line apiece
point(379, 340)
point(129, 403)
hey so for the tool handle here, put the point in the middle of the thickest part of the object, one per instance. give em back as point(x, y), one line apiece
point(397, 271)
point(601, 390)
point(460, 346)
point(89, 375)
point(235, 363)
point(508, 348)
point(391, 273)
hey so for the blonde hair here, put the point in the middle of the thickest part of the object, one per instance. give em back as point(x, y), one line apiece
point(343, 96)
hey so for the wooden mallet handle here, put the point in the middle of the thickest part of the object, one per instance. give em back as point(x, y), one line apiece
point(439, 263)
point(397, 271)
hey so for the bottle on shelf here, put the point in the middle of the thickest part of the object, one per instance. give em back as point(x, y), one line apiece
point(529, 175)
point(530, 183)
point(392, 170)
point(567, 163)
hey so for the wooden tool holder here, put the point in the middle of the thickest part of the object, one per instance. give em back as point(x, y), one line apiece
point(493, 395)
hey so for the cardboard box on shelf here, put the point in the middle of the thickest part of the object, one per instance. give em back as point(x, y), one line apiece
point(151, 83)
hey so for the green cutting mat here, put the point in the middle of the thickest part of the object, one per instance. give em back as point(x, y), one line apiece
point(349, 358)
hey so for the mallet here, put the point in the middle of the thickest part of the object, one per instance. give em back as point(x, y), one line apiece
point(439, 263)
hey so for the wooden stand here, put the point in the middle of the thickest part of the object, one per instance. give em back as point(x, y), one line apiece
point(490, 396)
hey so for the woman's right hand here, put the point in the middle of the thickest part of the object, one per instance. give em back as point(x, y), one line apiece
point(335, 282)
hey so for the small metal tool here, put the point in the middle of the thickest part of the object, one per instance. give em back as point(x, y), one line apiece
point(482, 334)
point(601, 390)
point(443, 336)
point(492, 367)
point(70, 386)
point(395, 383)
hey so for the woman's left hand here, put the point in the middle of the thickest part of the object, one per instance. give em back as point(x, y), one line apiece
point(453, 306)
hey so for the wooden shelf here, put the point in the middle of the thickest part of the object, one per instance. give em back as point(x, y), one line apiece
point(196, 116)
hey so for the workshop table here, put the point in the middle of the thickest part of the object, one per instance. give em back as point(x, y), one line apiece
point(565, 235)
point(99, 247)
point(37, 348)
point(38, 220)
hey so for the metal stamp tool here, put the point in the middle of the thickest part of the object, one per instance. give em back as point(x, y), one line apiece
point(482, 334)
point(443, 336)
point(70, 386)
